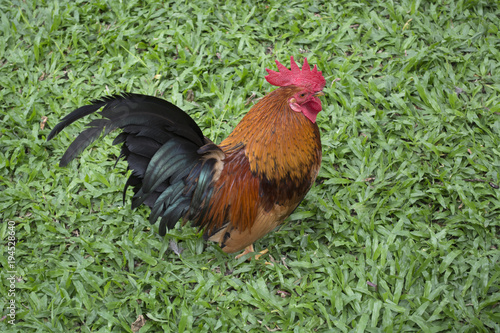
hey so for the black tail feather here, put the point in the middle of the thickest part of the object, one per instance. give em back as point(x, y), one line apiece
point(163, 148)
point(77, 114)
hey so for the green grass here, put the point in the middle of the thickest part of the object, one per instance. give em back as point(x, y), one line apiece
point(400, 234)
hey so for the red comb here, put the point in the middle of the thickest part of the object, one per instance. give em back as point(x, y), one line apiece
point(305, 78)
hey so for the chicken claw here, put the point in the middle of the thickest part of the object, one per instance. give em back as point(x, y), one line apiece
point(250, 249)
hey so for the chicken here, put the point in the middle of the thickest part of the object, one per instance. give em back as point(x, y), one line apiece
point(237, 191)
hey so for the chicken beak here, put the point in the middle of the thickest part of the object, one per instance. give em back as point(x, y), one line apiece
point(319, 93)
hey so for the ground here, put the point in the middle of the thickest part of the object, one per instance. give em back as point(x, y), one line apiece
point(400, 233)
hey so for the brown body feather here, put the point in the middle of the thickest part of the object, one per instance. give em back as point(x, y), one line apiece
point(271, 161)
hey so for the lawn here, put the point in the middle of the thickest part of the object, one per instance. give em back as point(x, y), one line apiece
point(399, 234)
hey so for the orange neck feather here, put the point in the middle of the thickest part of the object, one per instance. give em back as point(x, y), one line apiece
point(279, 142)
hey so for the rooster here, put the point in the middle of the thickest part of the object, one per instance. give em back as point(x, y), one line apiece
point(237, 191)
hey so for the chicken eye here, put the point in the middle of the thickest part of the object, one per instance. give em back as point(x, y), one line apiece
point(303, 95)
